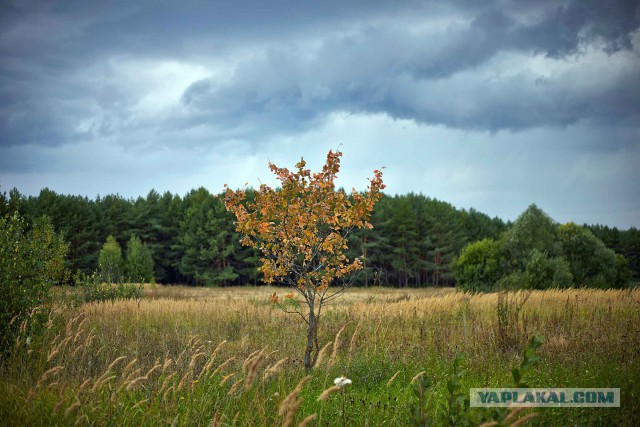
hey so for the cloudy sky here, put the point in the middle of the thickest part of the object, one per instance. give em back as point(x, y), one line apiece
point(488, 104)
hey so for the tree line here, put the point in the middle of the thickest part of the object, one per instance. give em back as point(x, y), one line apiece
point(537, 253)
point(191, 239)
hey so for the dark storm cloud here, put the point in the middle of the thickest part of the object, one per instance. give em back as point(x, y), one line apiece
point(415, 75)
point(47, 84)
point(404, 76)
point(429, 62)
point(568, 25)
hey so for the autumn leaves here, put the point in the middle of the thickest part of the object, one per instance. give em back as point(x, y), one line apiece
point(301, 229)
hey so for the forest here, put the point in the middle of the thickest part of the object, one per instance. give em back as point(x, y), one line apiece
point(192, 240)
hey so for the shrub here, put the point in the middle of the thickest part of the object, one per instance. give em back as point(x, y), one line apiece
point(592, 263)
point(544, 272)
point(31, 261)
point(139, 265)
point(457, 411)
point(110, 261)
point(93, 289)
point(479, 266)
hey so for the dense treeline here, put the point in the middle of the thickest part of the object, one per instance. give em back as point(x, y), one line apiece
point(192, 238)
point(537, 253)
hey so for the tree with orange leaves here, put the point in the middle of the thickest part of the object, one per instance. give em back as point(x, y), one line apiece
point(301, 230)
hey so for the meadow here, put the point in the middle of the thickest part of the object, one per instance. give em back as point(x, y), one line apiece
point(226, 356)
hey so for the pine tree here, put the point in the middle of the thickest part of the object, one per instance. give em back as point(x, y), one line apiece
point(404, 238)
point(167, 250)
point(208, 240)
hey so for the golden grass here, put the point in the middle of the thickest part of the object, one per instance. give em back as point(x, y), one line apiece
point(163, 347)
point(188, 332)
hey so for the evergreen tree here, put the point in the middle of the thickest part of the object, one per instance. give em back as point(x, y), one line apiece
point(404, 240)
point(374, 245)
point(208, 240)
point(479, 226)
point(222, 246)
point(115, 217)
point(446, 240)
point(167, 249)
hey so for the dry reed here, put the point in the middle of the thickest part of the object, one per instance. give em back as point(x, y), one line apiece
point(325, 394)
point(336, 346)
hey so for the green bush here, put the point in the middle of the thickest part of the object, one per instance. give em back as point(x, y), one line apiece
point(536, 253)
point(31, 261)
point(110, 261)
point(457, 410)
point(513, 281)
point(139, 264)
point(479, 266)
point(592, 263)
point(93, 289)
point(544, 272)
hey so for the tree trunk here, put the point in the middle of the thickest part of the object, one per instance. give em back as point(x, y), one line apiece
point(310, 356)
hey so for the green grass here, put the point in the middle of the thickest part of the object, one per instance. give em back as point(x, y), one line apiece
point(592, 339)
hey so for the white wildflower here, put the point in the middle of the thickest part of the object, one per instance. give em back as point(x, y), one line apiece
point(342, 381)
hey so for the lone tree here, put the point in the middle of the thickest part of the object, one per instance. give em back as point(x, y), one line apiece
point(301, 231)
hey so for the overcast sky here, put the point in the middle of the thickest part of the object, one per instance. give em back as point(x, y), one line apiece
point(486, 104)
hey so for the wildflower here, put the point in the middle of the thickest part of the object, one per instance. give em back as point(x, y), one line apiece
point(342, 381)
point(28, 341)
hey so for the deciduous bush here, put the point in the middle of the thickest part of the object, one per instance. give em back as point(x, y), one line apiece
point(110, 261)
point(31, 261)
point(139, 263)
point(592, 263)
point(480, 266)
point(544, 272)
point(91, 288)
point(457, 411)
point(536, 253)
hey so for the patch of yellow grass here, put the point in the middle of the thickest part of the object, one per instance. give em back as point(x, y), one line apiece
point(177, 337)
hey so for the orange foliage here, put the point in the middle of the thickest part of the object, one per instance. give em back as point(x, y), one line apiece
point(301, 229)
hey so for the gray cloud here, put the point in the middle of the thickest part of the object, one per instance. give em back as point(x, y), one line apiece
point(460, 84)
point(303, 61)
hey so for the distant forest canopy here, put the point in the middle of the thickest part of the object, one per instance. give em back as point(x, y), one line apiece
point(414, 239)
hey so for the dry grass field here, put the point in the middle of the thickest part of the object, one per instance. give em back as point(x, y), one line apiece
point(226, 356)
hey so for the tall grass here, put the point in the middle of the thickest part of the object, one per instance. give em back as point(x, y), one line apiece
point(184, 356)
